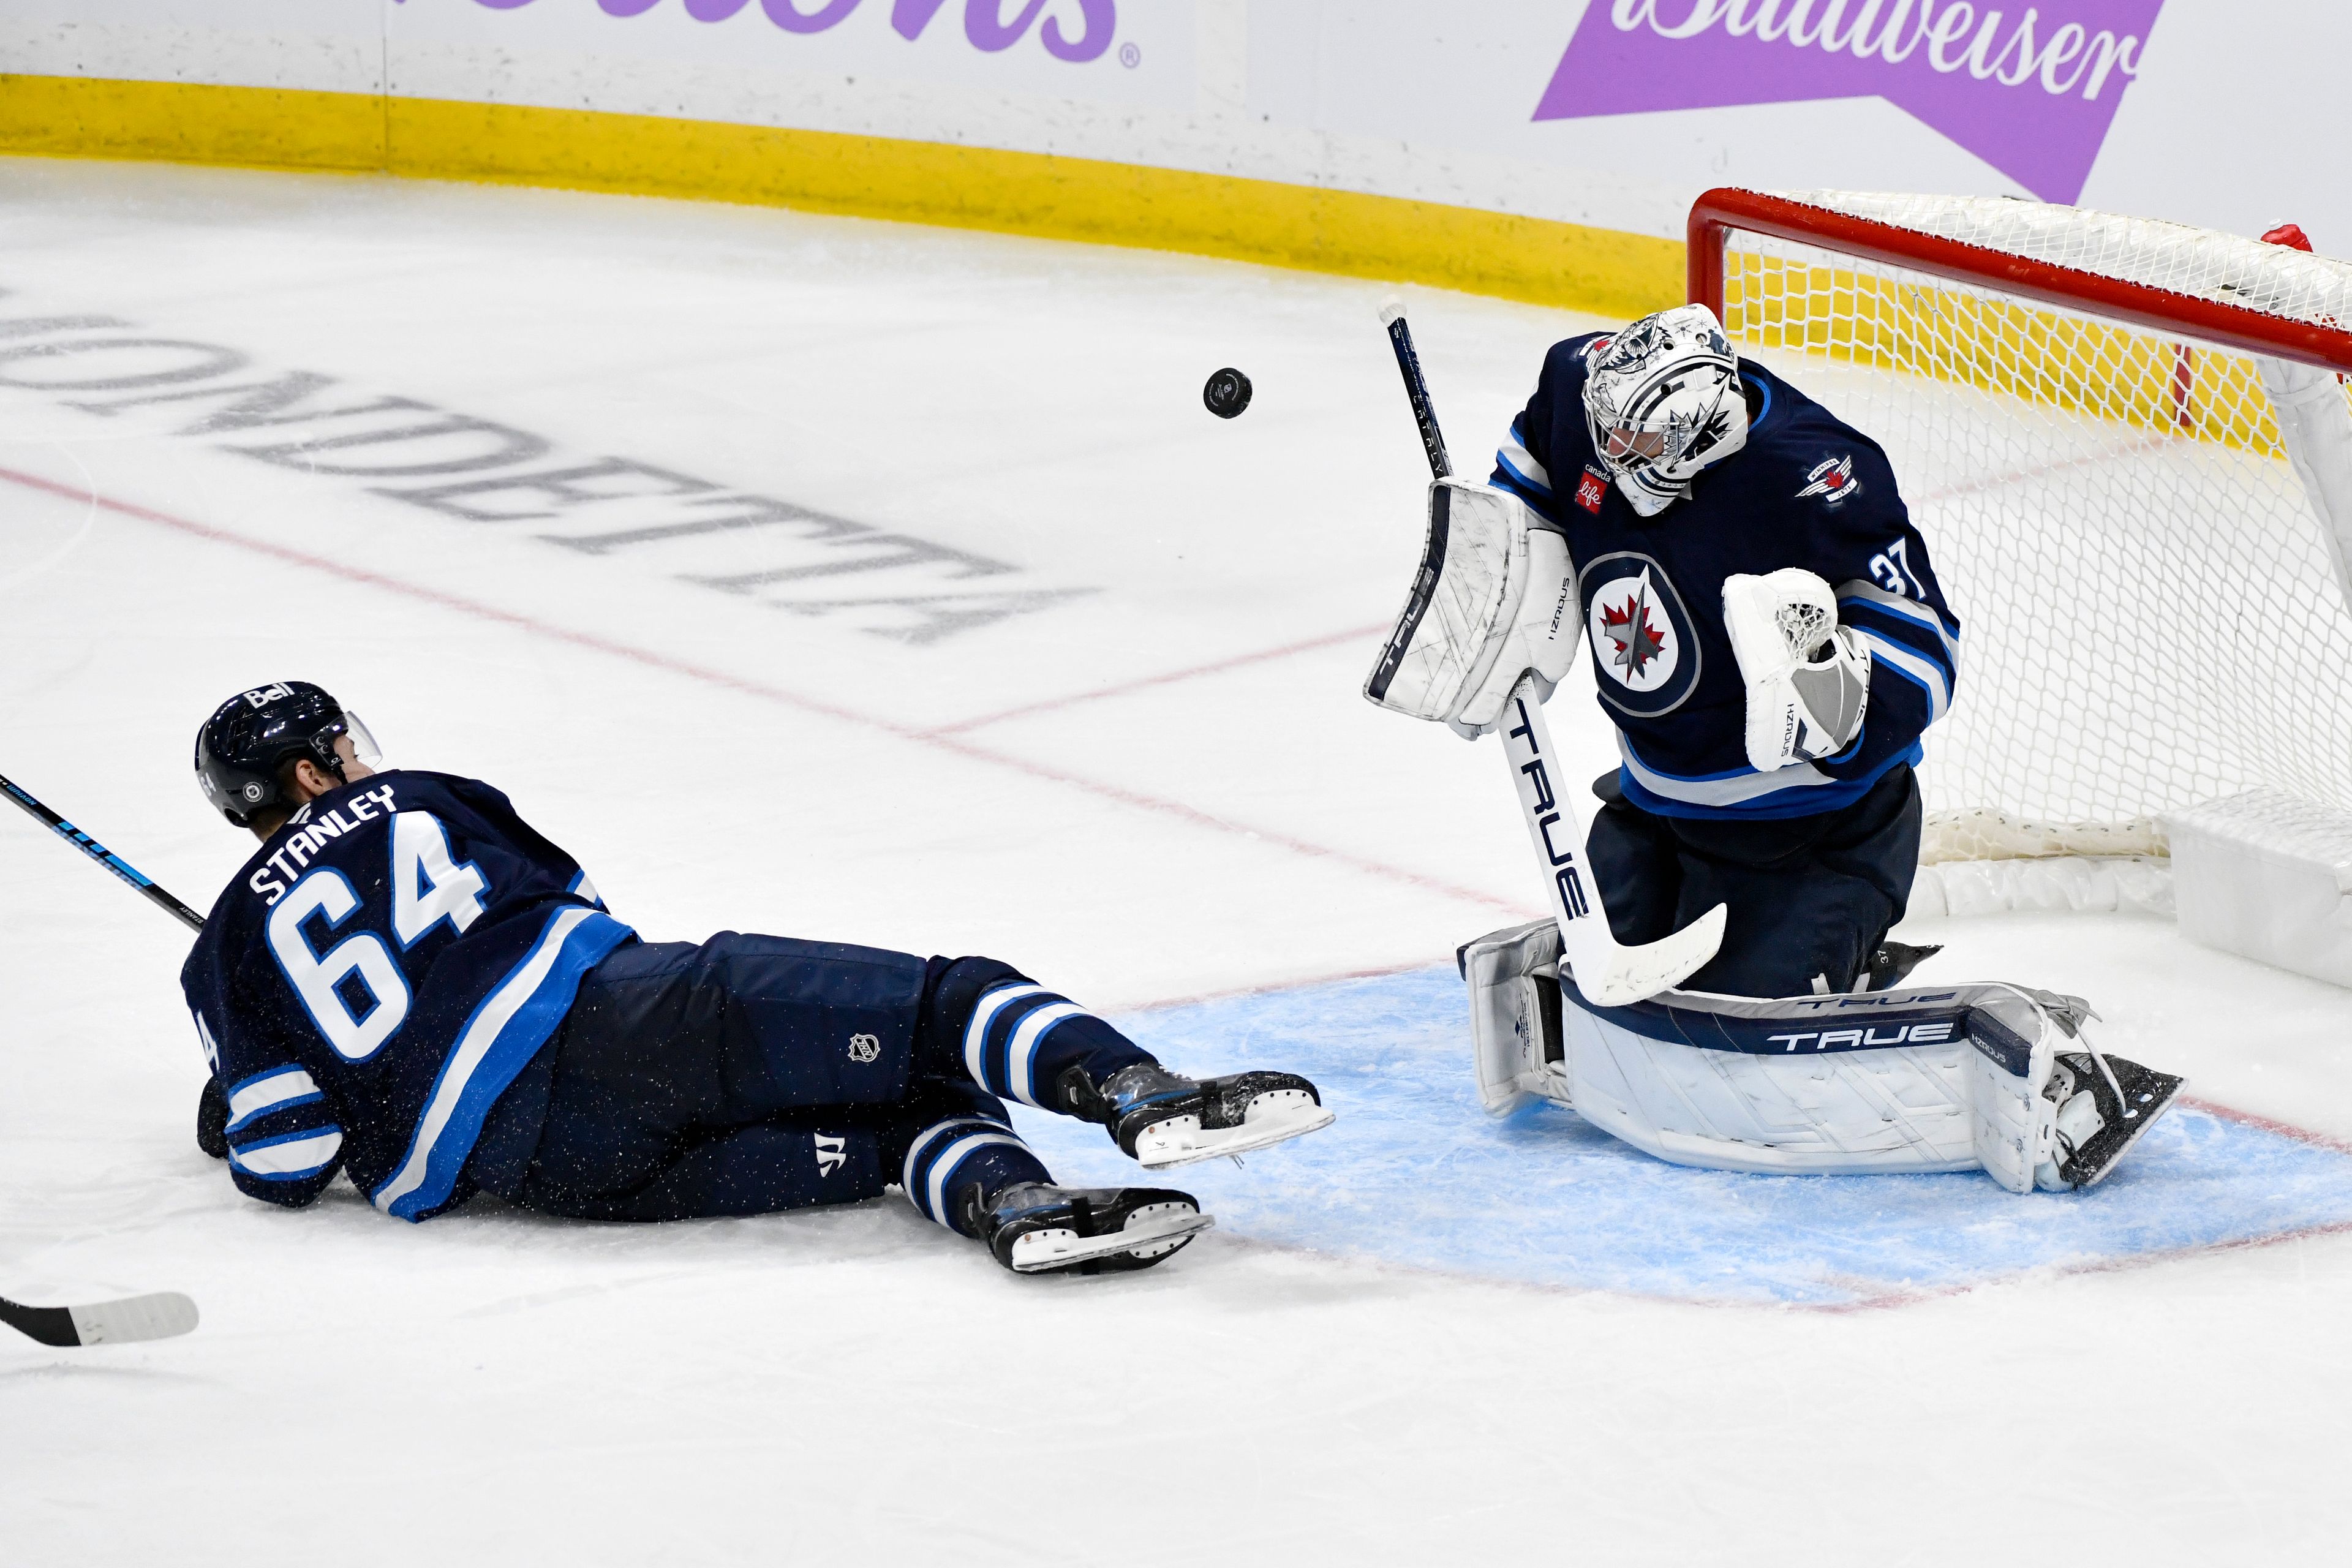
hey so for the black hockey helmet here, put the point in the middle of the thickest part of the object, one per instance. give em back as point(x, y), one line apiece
point(254, 733)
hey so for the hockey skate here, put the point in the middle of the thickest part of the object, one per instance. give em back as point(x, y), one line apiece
point(2104, 1104)
point(1162, 1119)
point(1033, 1227)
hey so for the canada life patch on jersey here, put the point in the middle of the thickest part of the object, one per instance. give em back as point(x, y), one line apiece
point(1832, 479)
point(1641, 634)
point(1592, 488)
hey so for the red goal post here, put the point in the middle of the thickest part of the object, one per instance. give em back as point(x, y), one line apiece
point(2216, 322)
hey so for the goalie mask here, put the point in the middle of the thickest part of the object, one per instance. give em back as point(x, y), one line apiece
point(1663, 399)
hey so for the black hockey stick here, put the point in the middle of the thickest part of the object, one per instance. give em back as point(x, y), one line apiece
point(165, 1313)
point(104, 857)
point(1610, 974)
point(1433, 441)
point(157, 1317)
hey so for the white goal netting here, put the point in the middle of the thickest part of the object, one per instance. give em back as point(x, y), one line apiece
point(2152, 615)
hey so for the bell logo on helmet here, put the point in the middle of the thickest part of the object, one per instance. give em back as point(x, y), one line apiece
point(263, 696)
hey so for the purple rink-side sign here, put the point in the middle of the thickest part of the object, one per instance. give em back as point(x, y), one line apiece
point(2031, 90)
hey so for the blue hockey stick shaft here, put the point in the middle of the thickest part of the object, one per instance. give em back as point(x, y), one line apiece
point(102, 855)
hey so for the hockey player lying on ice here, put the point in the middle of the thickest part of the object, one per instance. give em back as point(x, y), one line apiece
point(1770, 640)
point(408, 984)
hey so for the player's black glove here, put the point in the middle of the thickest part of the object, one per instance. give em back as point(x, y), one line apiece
point(212, 1120)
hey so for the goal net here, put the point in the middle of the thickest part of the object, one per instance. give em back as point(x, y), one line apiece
point(2156, 610)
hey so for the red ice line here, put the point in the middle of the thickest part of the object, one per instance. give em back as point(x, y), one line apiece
point(1124, 688)
point(940, 739)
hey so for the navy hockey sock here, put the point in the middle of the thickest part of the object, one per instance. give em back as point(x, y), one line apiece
point(992, 1025)
point(959, 1151)
point(1022, 1039)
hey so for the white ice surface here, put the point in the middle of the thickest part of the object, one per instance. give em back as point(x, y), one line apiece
point(851, 1385)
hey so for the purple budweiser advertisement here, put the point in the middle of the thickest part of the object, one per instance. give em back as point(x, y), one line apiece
point(2031, 90)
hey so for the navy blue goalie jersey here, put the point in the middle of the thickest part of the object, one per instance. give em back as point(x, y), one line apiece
point(1808, 489)
point(377, 976)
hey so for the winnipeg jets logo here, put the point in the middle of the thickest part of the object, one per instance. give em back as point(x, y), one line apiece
point(1643, 643)
point(864, 1048)
point(831, 1154)
point(1832, 479)
point(1633, 640)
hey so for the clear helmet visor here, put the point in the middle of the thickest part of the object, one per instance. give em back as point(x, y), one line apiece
point(363, 746)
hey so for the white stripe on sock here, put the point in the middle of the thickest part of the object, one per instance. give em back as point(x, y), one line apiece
point(928, 1136)
point(1020, 1054)
point(983, 1013)
point(947, 1162)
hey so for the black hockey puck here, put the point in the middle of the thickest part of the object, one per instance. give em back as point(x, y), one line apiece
point(1227, 393)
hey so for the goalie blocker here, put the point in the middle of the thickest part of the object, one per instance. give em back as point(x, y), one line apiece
point(1993, 1076)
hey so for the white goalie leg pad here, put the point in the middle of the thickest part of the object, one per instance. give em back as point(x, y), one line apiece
point(1823, 1085)
point(2016, 1038)
point(1490, 602)
point(1808, 676)
point(1954, 1078)
point(1912, 1081)
point(1513, 976)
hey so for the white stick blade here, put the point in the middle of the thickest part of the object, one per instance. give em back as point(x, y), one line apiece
point(162, 1316)
point(1634, 975)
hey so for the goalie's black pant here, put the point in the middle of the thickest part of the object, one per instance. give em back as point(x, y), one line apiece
point(749, 1074)
point(1810, 898)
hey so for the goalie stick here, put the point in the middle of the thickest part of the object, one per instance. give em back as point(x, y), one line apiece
point(161, 1315)
point(165, 1313)
point(1610, 974)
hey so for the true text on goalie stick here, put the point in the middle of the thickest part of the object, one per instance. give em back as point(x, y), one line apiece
point(1610, 974)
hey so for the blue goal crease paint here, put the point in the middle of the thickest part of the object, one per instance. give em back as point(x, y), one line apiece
point(1414, 1174)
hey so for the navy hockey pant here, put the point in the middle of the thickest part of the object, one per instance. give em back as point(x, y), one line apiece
point(1810, 898)
point(749, 1074)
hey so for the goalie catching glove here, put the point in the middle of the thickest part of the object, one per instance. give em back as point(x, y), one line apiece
point(1491, 602)
point(1808, 676)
